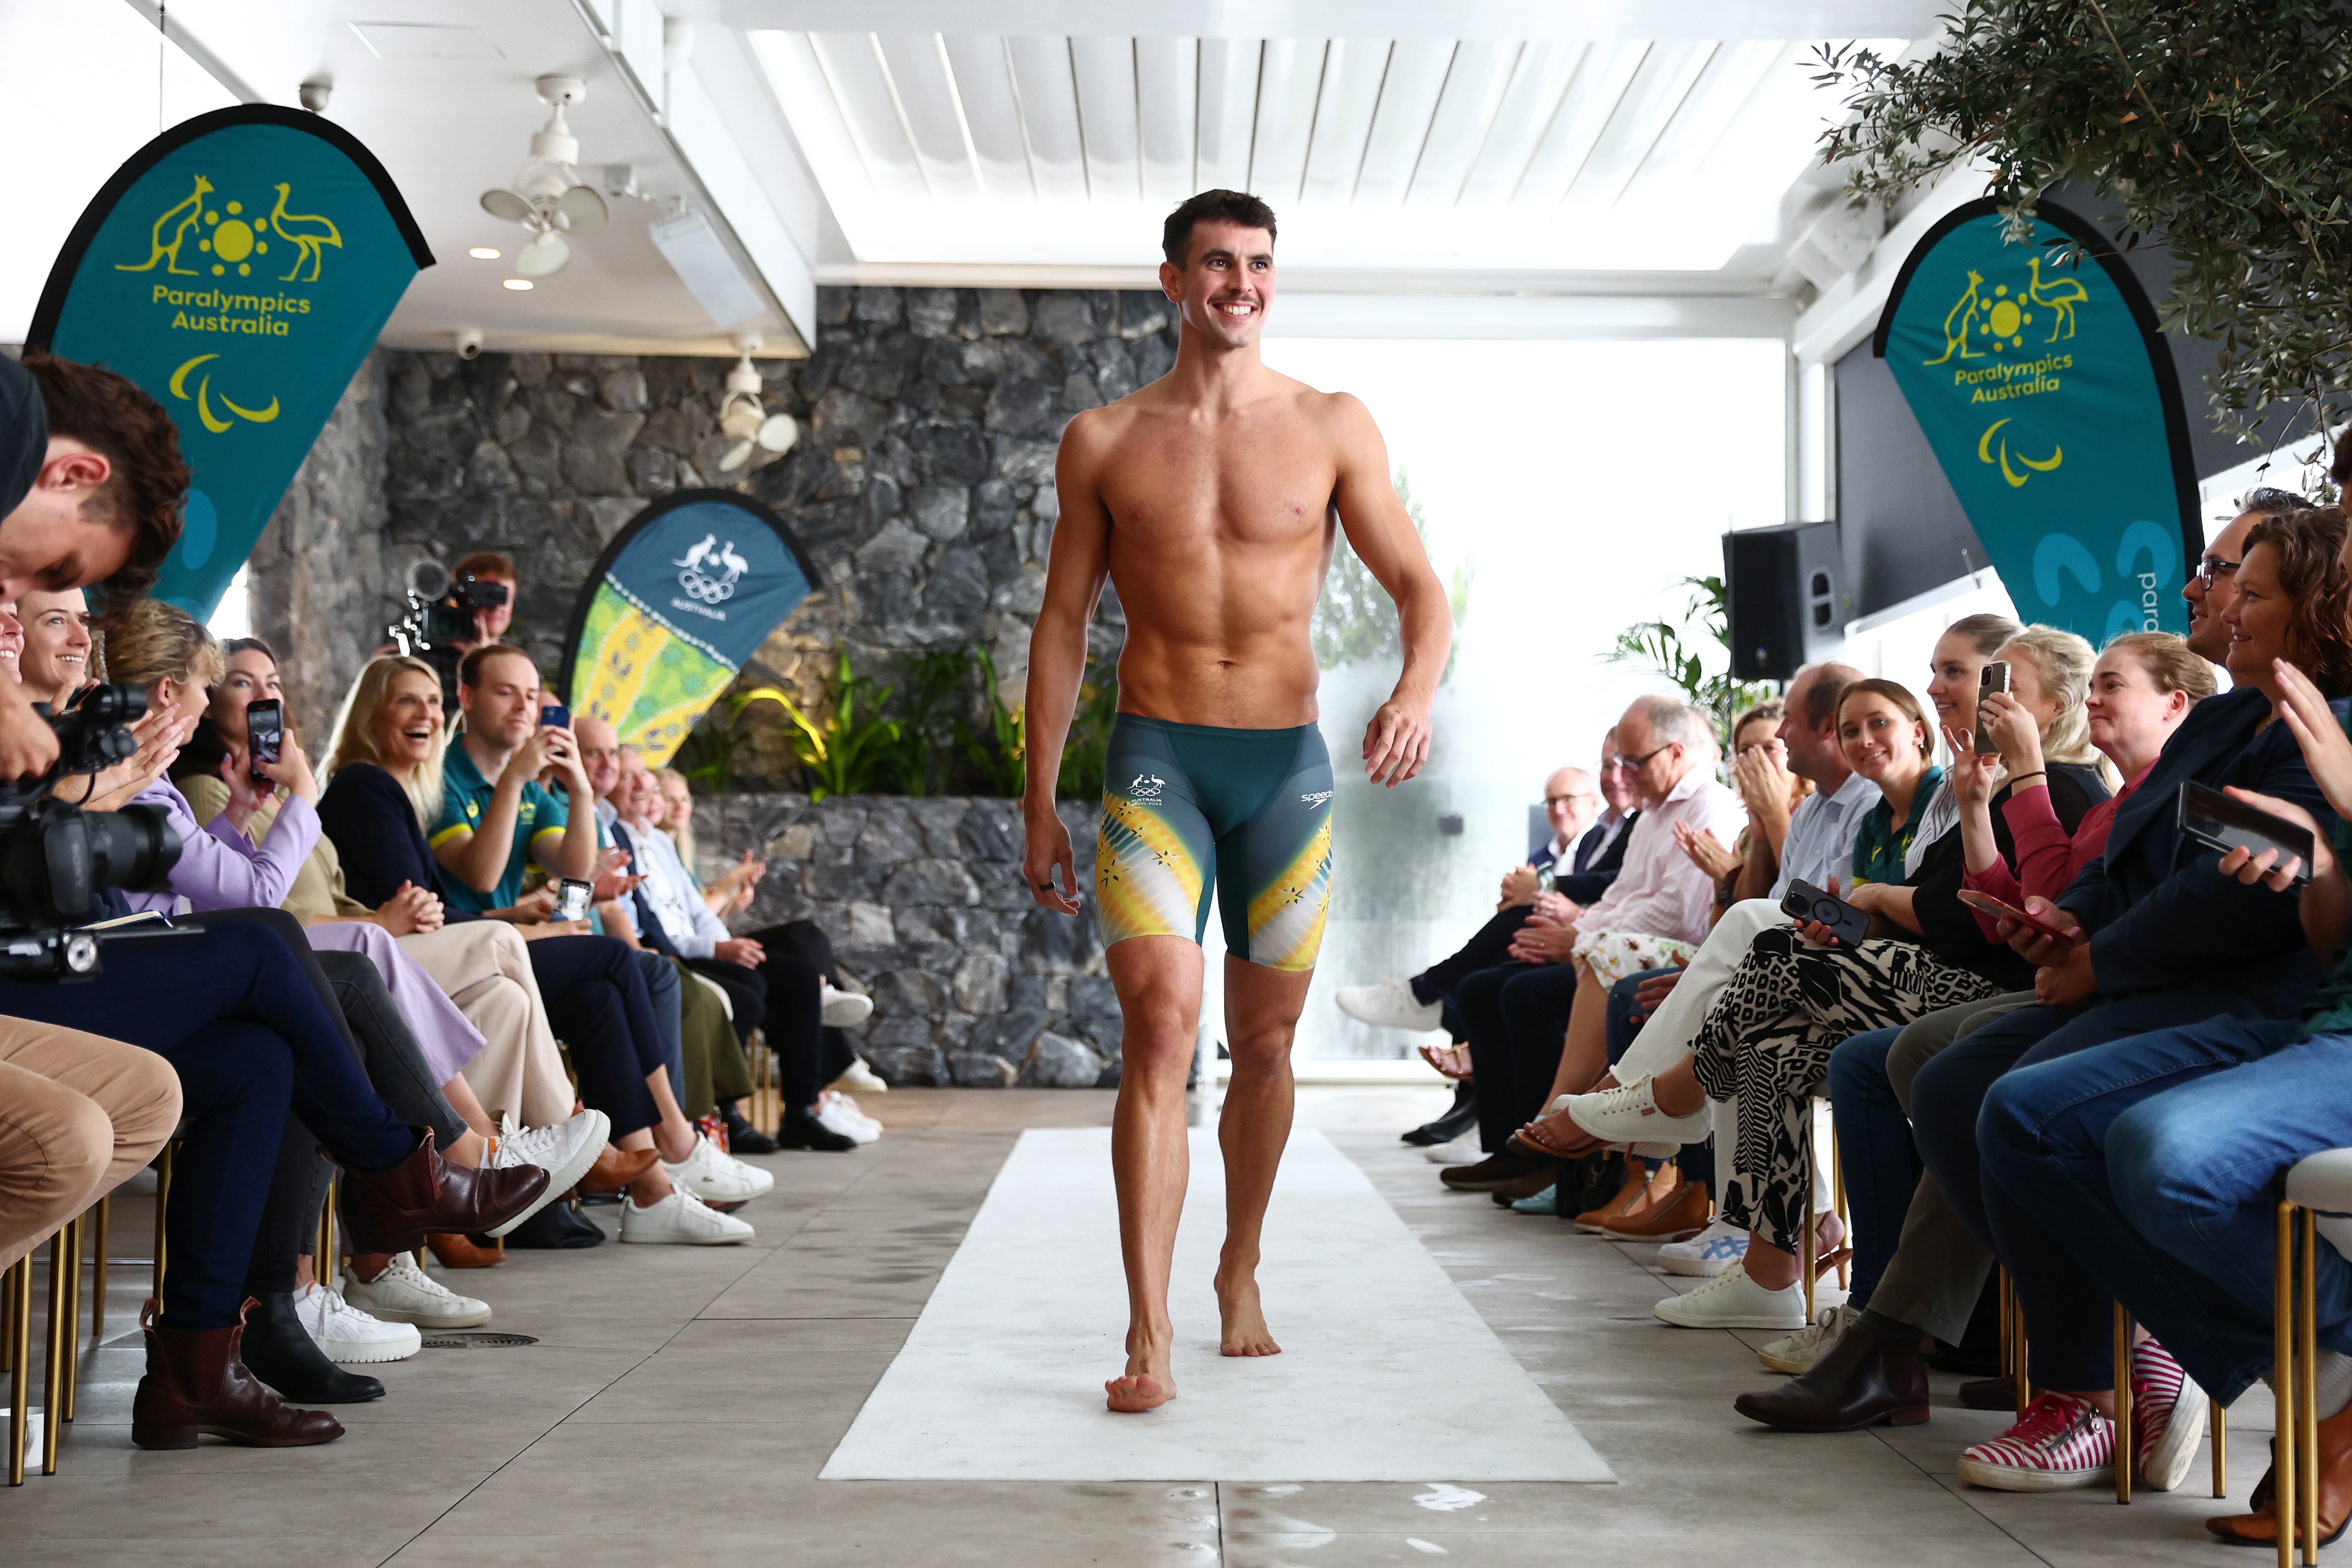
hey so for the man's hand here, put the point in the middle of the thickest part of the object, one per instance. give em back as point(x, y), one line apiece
point(1518, 887)
point(2069, 982)
point(1539, 942)
point(538, 754)
point(28, 747)
point(534, 907)
point(2037, 949)
point(1047, 851)
point(612, 881)
point(1556, 910)
point(1652, 993)
point(742, 949)
point(1396, 743)
point(562, 750)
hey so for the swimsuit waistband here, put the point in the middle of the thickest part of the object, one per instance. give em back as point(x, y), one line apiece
point(1171, 727)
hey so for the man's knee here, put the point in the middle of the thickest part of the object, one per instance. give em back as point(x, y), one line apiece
point(1858, 1068)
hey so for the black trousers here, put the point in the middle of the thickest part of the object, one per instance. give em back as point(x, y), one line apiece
point(808, 1054)
point(1517, 1018)
point(747, 990)
point(598, 1005)
point(1490, 945)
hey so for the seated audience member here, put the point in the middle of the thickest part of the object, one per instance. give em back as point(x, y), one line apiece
point(2159, 938)
point(57, 641)
point(1761, 777)
point(1655, 911)
point(389, 778)
point(732, 893)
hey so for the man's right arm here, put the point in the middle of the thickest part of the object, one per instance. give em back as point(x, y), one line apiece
point(478, 856)
point(1075, 569)
point(28, 747)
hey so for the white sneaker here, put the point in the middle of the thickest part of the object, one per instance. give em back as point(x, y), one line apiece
point(716, 1176)
point(564, 1151)
point(1732, 1299)
point(681, 1219)
point(1797, 1352)
point(1631, 1115)
point(1706, 1254)
point(861, 1078)
point(404, 1293)
point(1389, 1004)
point(839, 1113)
point(349, 1336)
point(843, 1009)
point(1462, 1150)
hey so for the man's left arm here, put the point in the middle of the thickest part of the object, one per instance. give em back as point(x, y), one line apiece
point(1381, 531)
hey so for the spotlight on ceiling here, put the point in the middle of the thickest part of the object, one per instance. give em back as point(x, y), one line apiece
point(483, 253)
point(519, 284)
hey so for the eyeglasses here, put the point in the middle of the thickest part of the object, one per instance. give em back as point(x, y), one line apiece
point(1630, 763)
point(1552, 800)
point(2213, 567)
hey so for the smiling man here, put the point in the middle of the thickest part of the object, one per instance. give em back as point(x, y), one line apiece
point(1211, 500)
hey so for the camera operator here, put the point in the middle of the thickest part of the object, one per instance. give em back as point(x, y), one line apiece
point(486, 622)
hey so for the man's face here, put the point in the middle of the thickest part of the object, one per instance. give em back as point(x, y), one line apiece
point(599, 753)
point(1226, 283)
point(1654, 766)
point(60, 536)
point(504, 709)
point(1813, 753)
point(639, 795)
point(1570, 803)
point(2208, 637)
point(1616, 784)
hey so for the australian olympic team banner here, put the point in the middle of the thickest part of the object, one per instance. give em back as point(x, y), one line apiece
point(680, 598)
point(2048, 394)
point(238, 268)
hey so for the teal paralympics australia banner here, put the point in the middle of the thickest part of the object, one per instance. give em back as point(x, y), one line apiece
point(238, 268)
point(2048, 393)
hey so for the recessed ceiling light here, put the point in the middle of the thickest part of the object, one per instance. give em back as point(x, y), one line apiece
point(517, 284)
point(483, 253)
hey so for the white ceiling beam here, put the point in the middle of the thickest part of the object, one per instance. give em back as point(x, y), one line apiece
point(1461, 316)
point(1343, 118)
point(983, 85)
point(1049, 112)
point(1104, 69)
point(1537, 84)
point(814, 114)
point(862, 89)
point(1473, 89)
point(1167, 96)
point(926, 102)
point(1665, 78)
point(1593, 94)
point(1504, 20)
point(1228, 112)
point(1416, 75)
point(708, 138)
point(1290, 79)
point(1723, 90)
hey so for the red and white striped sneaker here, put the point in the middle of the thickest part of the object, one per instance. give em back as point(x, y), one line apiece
point(2169, 1408)
point(2060, 1442)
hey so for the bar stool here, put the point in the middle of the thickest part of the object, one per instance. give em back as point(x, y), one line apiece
point(2319, 1185)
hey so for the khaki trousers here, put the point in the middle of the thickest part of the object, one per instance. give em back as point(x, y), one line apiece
point(484, 966)
point(79, 1113)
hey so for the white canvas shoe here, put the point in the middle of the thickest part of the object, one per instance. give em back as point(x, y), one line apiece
point(716, 1176)
point(1732, 1299)
point(861, 1078)
point(1797, 1352)
point(347, 1336)
point(843, 1009)
point(1389, 1004)
point(1462, 1150)
point(404, 1293)
point(1631, 1115)
point(681, 1219)
point(839, 1113)
point(1706, 1254)
point(563, 1151)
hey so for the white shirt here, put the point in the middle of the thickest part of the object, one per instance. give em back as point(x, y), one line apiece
point(1660, 892)
point(1822, 832)
point(684, 919)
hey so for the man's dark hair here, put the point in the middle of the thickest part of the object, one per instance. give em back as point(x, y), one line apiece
point(470, 669)
point(2272, 502)
point(485, 563)
point(1230, 206)
point(109, 414)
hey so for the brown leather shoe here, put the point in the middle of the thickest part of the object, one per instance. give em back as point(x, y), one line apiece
point(2261, 1527)
point(452, 1250)
point(1862, 1381)
point(1988, 1393)
point(1683, 1214)
point(197, 1383)
point(1636, 1187)
point(1527, 1186)
point(615, 1169)
point(394, 1210)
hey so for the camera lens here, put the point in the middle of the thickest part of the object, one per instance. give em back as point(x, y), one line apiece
point(132, 847)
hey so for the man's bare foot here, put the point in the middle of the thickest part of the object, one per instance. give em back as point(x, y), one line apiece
point(1147, 1383)
point(1245, 1330)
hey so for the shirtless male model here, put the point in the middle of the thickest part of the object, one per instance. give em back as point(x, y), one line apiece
point(1208, 498)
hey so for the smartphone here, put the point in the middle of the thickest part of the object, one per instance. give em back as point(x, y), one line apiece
point(571, 898)
point(1547, 878)
point(555, 716)
point(2213, 819)
point(1995, 907)
point(265, 732)
point(1804, 902)
point(1994, 678)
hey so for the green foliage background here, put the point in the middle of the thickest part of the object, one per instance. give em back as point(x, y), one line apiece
point(1355, 619)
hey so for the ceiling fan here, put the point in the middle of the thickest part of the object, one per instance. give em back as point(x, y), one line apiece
point(547, 196)
point(745, 419)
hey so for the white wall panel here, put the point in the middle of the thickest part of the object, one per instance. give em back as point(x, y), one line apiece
point(1104, 69)
point(1352, 72)
point(983, 81)
point(1049, 110)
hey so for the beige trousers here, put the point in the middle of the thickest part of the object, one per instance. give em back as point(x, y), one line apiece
point(79, 1113)
point(484, 966)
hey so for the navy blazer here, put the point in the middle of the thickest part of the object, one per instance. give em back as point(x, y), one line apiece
point(1592, 873)
point(2161, 914)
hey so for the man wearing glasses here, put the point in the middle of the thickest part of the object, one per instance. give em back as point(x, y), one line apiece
point(2212, 588)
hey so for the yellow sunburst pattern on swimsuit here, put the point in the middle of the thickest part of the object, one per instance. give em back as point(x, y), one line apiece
point(1287, 916)
point(1146, 879)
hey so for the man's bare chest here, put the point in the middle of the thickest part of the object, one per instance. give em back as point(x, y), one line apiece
point(1265, 485)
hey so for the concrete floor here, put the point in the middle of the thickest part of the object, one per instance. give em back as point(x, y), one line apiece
point(680, 1403)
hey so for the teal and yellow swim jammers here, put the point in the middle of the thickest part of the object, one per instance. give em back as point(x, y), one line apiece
point(1186, 807)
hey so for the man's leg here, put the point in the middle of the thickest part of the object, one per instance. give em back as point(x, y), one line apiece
point(1262, 1008)
point(1539, 1006)
point(1489, 945)
point(1480, 999)
point(1157, 979)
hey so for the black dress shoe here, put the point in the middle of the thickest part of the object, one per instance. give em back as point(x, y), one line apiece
point(1864, 1381)
point(1490, 1172)
point(801, 1130)
point(280, 1352)
point(743, 1137)
point(1459, 1119)
point(557, 1227)
point(1989, 1394)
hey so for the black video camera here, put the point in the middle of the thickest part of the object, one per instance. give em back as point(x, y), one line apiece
point(53, 856)
point(440, 610)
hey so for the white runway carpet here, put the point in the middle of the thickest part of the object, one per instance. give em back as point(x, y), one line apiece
point(1386, 1372)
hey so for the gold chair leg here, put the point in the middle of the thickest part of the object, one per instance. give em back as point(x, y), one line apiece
point(2306, 1392)
point(69, 1326)
point(2283, 1469)
point(2126, 1451)
point(1837, 1202)
point(98, 1273)
point(17, 1285)
point(59, 1328)
point(2220, 1416)
point(162, 1196)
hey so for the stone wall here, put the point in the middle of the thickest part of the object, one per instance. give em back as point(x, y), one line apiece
point(922, 485)
point(927, 911)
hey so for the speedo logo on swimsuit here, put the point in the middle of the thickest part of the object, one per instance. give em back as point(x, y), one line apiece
point(1317, 798)
point(1147, 786)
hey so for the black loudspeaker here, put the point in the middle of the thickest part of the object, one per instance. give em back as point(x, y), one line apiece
point(1786, 610)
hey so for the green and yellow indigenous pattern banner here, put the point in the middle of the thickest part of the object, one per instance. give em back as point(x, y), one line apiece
point(680, 598)
point(2048, 394)
point(238, 268)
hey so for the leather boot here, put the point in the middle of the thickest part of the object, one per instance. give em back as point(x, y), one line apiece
point(1459, 1118)
point(615, 1169)
point(280, 1352)
point(2260, 1528)
point(394, 1210)
point(1630, 1192)
point(1864, 1381)
point(1676, 1218)
point(452, 1250)
point(196, 1383)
